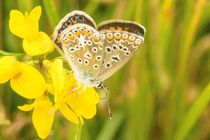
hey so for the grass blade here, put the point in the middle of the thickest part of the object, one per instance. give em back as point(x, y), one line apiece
point(51, 12)
point(111, 126)
point(193, 114)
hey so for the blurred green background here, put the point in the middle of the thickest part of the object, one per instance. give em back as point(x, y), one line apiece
point(161, 94)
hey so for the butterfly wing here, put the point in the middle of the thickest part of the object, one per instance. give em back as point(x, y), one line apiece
point(121, 39)
point(81, 44)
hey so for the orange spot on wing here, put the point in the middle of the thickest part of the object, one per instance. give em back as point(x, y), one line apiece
point(88, 33)
point(126, 28)
point(109, 37)
point(112, 28)
point(77, 34)
point(82, 32)
point(100, 45)
point(96, 39)
point(119, 28)
point(117, 37)
point(71, 37)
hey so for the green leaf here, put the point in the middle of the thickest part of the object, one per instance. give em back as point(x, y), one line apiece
point(111, 126)
point(193, 114)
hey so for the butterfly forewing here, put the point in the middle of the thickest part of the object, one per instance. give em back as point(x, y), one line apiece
point(82, 46)
point(121, 40)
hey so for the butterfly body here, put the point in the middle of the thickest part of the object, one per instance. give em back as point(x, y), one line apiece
point(95, 54)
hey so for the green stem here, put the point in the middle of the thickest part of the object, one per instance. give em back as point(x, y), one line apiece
point(3, 53)
point(78, 132)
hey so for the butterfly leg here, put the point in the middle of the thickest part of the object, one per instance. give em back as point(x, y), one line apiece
point(105, 90)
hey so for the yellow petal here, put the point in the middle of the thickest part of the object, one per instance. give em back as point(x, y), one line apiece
point(58, 77)
point(29, 83)
point(88, 111)
point(26, 107)
point(35, 14)
point(40, 45)
point(91, 96)
point(43, 116)
point(23, 26)
point(71, 82)
point(81, 103)
point(9, 68)
point(69, 114)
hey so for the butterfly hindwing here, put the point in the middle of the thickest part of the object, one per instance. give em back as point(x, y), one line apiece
point(121, 40)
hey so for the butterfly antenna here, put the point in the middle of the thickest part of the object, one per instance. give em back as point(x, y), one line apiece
point(105, 89)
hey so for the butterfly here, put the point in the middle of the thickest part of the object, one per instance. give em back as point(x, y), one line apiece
point(95, 53)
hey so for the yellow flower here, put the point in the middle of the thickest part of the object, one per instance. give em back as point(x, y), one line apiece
point(25, 80)
point(73, 105)
point(26, 26)
point(42, 116)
